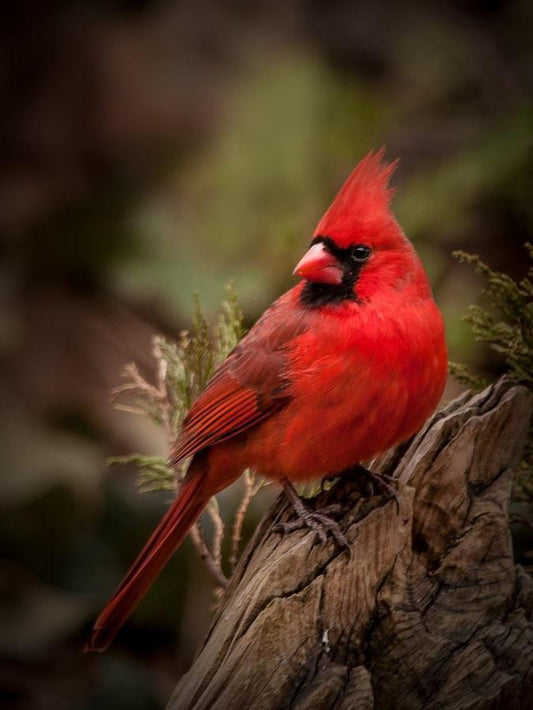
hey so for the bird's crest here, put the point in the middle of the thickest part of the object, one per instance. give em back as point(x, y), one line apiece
point(364, 198)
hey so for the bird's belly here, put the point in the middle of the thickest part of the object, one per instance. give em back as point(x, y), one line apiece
point(342, 424)
point(334, 439)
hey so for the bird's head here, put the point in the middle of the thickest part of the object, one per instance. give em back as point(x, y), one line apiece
point(358, 249)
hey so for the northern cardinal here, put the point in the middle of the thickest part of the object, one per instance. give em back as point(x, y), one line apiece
point(346, 364)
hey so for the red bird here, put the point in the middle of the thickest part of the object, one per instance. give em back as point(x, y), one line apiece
point(346, 364)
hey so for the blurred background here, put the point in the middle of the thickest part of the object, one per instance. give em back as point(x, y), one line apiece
point(154, 149)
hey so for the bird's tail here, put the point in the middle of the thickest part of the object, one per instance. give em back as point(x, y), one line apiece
point(168, 535)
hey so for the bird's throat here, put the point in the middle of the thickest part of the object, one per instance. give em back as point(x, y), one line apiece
point(314, 295)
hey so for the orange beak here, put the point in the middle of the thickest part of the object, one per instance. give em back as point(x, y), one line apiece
point(319, 266)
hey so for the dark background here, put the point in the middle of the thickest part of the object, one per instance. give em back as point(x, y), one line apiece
point(151, 149)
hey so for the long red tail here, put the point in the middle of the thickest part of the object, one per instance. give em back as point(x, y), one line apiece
point(168, 535)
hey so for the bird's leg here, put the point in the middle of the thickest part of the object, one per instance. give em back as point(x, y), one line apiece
point(381, 481)
point(318, 521)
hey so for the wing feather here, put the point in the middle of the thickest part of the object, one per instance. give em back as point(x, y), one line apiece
point(249, 386)
point(211, 422)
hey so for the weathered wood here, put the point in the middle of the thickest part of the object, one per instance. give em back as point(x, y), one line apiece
point(428, 611)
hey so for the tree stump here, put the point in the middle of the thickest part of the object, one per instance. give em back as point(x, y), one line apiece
point(428, 611)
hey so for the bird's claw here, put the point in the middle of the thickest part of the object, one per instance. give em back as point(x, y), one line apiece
point(383, 483)
point(318, 521)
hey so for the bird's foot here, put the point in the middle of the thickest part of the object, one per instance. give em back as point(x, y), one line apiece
point(317, 520)
point(379, 482)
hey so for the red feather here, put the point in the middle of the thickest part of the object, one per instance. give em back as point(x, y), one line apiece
point(362, 201)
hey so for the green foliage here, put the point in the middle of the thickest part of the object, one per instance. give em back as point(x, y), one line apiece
point(506, 325)
point(183, 369)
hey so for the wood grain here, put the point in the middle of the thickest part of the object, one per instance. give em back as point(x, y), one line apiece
point(428, 611)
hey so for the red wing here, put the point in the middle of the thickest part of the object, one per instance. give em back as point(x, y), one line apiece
point(248, 387)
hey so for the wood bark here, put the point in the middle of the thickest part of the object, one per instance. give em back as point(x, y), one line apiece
point(427, 611)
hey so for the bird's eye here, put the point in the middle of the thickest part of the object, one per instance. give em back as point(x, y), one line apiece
point(360, 253)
